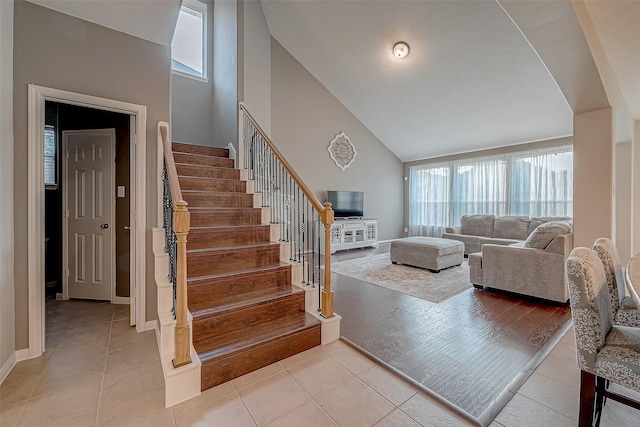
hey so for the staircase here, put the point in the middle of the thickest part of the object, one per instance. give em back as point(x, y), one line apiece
point(246, 312)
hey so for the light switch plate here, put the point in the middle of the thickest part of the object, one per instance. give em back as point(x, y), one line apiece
point(121, 190)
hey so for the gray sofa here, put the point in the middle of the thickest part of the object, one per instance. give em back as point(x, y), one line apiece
point(477, 230)
point(535, 267)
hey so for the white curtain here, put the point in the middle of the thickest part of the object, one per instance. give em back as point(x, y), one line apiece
point(531, 183)
point(542, 183)
point(428, 200)
point(479, 187)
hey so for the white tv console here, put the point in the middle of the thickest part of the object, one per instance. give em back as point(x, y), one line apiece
point(351, 233)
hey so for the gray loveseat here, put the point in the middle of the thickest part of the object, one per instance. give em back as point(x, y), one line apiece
point(477, 230)
point(535, 267)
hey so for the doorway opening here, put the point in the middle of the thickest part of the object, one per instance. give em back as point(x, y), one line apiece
point(75, 194)
point(39, 156)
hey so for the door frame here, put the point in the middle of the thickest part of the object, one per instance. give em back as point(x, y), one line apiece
point(37, 95)
point(65, 208)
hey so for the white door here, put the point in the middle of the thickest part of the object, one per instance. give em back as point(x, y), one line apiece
point(89, 204)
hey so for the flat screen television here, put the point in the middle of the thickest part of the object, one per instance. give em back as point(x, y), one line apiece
point(346, 203)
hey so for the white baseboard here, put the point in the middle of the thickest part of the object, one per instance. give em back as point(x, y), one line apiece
point(150, 325)
point(330, 329)
point(16, 357)
point(181, 383)
point(7, 367)
point(121, 300)
point(23, 354)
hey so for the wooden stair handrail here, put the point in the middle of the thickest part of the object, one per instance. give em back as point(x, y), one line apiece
point(325, 211)
point(181, 227)
point(172, 172)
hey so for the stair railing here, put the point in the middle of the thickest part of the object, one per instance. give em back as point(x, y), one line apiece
point(293, 206)
point(176, 223)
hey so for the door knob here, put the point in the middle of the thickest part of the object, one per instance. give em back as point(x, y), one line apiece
point(104, 226)
point(126, 227)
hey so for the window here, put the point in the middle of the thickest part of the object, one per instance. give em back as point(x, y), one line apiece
point(189, 44)
point(428, 200)
point(50, 158)
point(531, 183)
point(478, 187)
point(542, 184)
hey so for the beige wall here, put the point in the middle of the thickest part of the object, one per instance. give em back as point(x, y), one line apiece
point(256, 64)
point(592, 176)
point(635, 189)
point(622, 168)
point(305, 117)
point(622, 134)
point(192, 100)
point(7, 313)
point(225, 73)
point(62, 52)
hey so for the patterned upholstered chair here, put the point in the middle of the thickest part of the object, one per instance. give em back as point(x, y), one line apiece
point(605, 352)
point(625, 305)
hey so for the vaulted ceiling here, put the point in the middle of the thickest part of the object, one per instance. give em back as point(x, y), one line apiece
point(618, 27)
point(152, 20)
point(471, 81)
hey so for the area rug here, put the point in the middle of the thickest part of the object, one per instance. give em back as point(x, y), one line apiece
point(417, 282)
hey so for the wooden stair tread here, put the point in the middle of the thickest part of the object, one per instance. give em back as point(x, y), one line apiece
point(228, 304)
point(185, 153)
point(237, 273)
point(205, 178)
point(222, 185)
point(206, 191)
point(222, 217)
point(213, 200)
point(225, 236)
point(203, 159)
point(206, 171)
point(216, 347)
point(205, 292)
point(229, 227)
point(204, 150)
point(202, 262)
point(200, 166)
point(203, 209)
point(232, 248)
point(215, 236)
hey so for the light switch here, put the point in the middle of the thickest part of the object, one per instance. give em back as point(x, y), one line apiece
point(121, 191)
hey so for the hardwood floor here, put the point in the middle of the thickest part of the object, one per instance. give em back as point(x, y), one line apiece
point(473, 350)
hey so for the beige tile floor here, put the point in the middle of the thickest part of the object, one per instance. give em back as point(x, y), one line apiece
point(98, 371)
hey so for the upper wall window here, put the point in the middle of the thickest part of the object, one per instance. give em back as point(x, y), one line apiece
point(50, 158)
point(189, 45)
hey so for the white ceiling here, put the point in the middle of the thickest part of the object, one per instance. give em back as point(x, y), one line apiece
point(471, 80)
point(618, 27)
point(152, 20)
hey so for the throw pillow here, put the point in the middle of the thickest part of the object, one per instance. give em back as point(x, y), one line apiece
point(536, 221)
point(545, 233)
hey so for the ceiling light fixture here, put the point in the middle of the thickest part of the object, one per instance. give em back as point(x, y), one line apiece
point(400, 50)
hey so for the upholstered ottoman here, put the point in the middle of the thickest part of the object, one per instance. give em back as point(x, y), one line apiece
point(427, 252)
